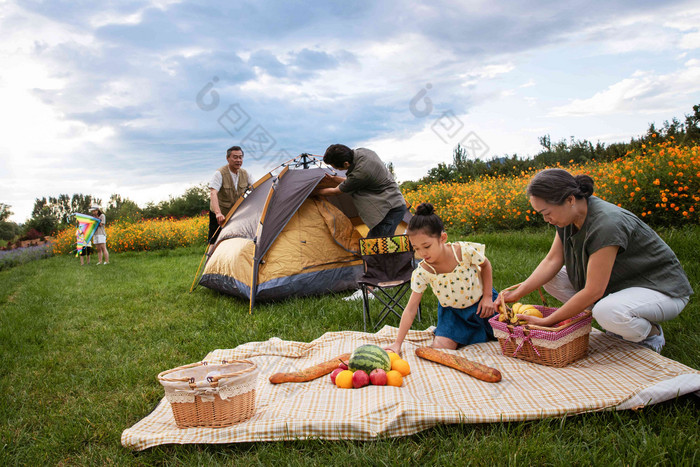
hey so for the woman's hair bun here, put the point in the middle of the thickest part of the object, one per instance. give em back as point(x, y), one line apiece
point(585, 184)
point(425, 209)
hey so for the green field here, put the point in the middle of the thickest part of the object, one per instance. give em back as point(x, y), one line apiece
point(81, 348)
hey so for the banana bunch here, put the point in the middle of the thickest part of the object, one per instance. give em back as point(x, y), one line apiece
point(508, 314)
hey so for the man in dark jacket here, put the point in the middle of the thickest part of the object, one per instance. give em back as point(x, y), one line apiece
point(374, 191)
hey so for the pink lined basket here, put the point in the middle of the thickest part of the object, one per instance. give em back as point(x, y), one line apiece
point(557, 347)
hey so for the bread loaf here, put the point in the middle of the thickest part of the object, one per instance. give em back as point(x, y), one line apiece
point(310, 373)
point(477, 370)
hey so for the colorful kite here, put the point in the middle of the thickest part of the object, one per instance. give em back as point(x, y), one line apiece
point(87, 225)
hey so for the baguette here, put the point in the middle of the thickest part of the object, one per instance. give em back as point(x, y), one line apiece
point(310, 373)
point(477, 370)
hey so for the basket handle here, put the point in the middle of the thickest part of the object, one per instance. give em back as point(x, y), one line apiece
point(584, 315)
point(539, 290)
point(161, 375)
point(213, 380)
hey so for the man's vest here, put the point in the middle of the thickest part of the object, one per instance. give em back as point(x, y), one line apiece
point(228, 193)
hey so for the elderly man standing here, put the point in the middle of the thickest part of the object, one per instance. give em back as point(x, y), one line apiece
point(228, 184)
point(374, 191)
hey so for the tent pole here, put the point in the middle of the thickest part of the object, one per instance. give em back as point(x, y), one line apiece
point(196, 275)
point(256, 261)
point(205, 255)
point(253, 286)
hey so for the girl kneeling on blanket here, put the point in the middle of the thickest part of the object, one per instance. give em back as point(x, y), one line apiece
point(458, 273)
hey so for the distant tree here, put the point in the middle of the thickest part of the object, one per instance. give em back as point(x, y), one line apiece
point(44, 223)
point(193, 202)
point(81, 203)
point(390, 168)
point(8, 229)
point(125, 210)
point(692, 125)
point(43, 218)
point(5, 211)
point(442, 173)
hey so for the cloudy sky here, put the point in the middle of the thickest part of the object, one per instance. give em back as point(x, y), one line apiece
point(141, 98)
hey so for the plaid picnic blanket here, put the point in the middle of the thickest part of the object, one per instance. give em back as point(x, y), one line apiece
point(614, 375)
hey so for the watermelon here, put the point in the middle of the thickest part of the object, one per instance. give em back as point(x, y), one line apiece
point(369, 357)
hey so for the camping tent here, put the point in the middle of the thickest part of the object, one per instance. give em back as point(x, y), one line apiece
point(278, 241)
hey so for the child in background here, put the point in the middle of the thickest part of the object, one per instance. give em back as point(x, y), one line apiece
point(87, 249)
point(461, 278)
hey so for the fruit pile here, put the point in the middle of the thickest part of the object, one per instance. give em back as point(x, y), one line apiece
point(370, 364)
point(509, 314)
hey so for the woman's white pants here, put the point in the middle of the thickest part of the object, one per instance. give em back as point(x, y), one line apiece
point(629, 312)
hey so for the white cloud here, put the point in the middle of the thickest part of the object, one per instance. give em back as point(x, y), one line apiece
point(641, 32)
point(644, 92)
point(485, 73)
point(691, 41)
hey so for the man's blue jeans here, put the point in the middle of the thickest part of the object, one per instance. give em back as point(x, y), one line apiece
point(388, 225)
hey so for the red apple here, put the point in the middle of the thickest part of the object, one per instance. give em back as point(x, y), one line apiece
point(343, 365)
point(335, 373)
point(360, 379)
point(378, 377)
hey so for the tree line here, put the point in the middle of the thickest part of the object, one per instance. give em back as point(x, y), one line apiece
point(463, 168)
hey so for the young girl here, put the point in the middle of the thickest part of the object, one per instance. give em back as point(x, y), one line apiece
point(86, 251)
point(460, 276)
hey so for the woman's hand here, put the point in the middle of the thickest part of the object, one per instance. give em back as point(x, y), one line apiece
point(507, 296)
point(486, 307)
point(395, 347)
point(535, 320)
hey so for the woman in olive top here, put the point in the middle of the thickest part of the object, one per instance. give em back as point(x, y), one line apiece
point(603, 257)
point(100, 237)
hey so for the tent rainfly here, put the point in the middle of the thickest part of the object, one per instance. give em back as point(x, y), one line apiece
point(279, 241)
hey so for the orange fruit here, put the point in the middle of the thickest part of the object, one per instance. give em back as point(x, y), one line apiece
point(393, 378)
point(401, 366)
point(393, 356)
point(344, 379)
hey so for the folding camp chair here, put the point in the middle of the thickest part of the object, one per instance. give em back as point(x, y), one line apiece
point(388, 264)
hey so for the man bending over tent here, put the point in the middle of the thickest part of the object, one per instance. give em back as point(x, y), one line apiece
point(374, 191)
point(227, 184)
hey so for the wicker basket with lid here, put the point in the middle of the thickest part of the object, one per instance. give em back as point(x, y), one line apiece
point(211, 395)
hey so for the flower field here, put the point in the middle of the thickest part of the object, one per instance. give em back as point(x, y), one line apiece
point(151, 234)
point(660, 184)
point(10, 258)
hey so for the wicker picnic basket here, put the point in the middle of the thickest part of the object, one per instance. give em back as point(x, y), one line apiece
point(211, 395)
point(551, 346)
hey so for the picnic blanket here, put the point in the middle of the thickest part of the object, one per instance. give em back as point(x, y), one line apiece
point(614, 375)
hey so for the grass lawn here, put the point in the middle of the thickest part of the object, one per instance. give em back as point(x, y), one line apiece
point(81, 348)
